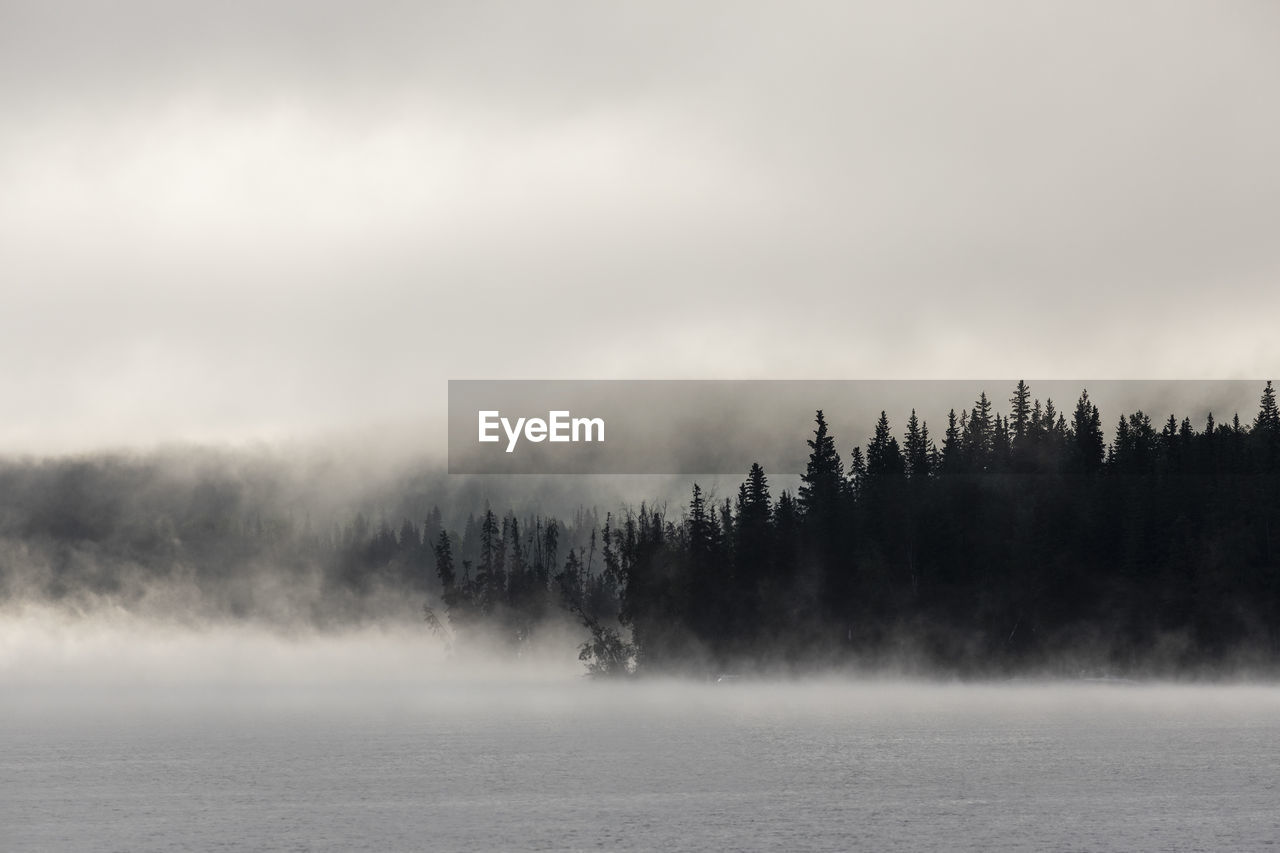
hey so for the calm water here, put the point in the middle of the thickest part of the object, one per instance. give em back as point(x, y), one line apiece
point(579, 766)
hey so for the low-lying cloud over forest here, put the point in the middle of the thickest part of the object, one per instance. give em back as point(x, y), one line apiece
point(1037, 541)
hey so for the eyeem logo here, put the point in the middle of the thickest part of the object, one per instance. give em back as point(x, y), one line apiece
point(558, 426)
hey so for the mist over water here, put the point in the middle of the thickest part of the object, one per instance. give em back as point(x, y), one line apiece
point(123, 735)
point(111, 654)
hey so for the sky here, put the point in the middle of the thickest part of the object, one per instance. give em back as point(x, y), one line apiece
point(286, 220)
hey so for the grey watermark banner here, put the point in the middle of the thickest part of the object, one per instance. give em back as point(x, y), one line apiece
point(723, 426)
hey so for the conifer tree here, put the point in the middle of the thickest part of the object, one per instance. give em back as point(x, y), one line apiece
point(1001, 445)
point(517, 582)
point(444, 563)
point(917, 456)
point(1118, 457)
point(699, 525)
point(786, 518)
point(857, 473)
point(1268, 419)
point(1050, 416)
point(489, 574)
point(884, 458)
point(822, 483)
point(952, 444)
point(1020, 409)
point(753, 535)
point(754, 504)
point(1086, 431)
point(981, 429)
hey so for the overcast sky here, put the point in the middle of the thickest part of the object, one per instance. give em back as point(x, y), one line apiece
point(269, 220)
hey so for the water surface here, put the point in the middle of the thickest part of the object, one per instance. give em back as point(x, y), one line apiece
point(572, 765)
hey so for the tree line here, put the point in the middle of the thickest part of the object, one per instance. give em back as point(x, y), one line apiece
point(1013, 540)
point(1019, 541)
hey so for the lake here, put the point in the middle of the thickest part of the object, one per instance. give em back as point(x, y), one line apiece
point(481, 763)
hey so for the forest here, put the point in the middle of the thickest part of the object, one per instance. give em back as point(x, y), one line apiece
point(1010, 543)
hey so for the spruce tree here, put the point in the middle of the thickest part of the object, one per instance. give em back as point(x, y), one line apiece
point(822, 483)
point(857, 473)
point(917, 458)
point(884, 457)
point(1001, 445)
point(979, 433)
point(1086, 431)
point(1020, 409)
point(754, 504)
point(952, 444)
point(1268, 419)
point(444, 563)
point(753, 536)
point(1266, 431)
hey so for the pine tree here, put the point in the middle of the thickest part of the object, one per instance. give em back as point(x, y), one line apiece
point(752, 533)
point(1050, 416)
point(786, 517)
point(1143, 443)
point(489, 575)
point(884, 458)
point(786, 538)
point(1169, 439)
point(979, 433)
point(1118, 456)
point(822, 483)
point(727, 525)
point(1184, 449)
point(1001, 445)
point(857, 473)
point(550, 544)
point(952, 444)
point(754, 505)
point(570, 581)
point(1086, 431)
point(917, 455)
point(699, 525)
point(1268, 419)
point(444, 563)
point(1052, 438)
point(1266, 431)
point(1020, 404)
point(517, 578)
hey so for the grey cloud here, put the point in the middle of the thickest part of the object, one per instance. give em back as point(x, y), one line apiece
point(287, 218)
